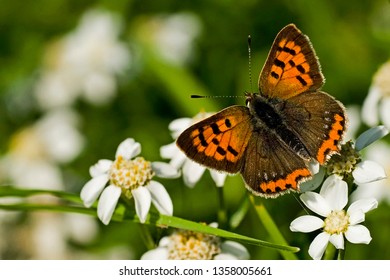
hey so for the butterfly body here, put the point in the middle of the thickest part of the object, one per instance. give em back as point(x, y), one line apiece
point(284, 127)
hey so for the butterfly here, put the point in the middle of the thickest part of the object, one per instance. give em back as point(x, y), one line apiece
point(289, 124)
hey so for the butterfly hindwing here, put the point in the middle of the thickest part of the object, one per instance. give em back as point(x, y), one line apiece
point(319, 121)
point(271, 168)
point(292, 66)
point(220, 140)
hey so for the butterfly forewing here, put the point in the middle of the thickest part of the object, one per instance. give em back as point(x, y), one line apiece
point(219, 141)
point(292, 66)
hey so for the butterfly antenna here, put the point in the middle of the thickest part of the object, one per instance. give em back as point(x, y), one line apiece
point(250, 61)
point(214, 96)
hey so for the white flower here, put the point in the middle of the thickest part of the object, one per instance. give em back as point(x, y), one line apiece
point(189, 245)
point(84, 62)
point(173, 36)
point(376, 106)
point(338, 223)
point(348, 161)
point(378, 152)
point(192, 171)
point(130, 177)
point(36, 150)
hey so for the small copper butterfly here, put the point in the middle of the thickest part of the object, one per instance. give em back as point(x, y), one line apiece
point(289, 123)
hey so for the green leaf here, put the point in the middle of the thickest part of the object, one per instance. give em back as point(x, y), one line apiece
point(272, 228)
point(120, 215)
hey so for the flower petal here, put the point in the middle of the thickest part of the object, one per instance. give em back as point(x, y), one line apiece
point(318, 246)
point(143, 200)
point(101, 167)
point(335, 192)
point(169, 150)
point(159, 253)
point(107, 203)
point(224, 256)
point(316, 203)
point(363, 205)
point(178, 126)
point(92, 189)
point(370, 106)
point(314, 182)
point(218, 177)
point(306, 223)
point(160, 198)
point(337, 240)
point(165, 170)
point(356, 217)
point(358, 234)
point(192, 172)
point(368, 171)
point(370, 136)
point(128, 149)
point(235, 249)
point(384, 111)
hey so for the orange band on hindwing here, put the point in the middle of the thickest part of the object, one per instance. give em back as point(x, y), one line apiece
point(331, 144)
point(290, 182)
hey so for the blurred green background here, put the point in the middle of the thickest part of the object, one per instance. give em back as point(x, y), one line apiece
point(158, 54)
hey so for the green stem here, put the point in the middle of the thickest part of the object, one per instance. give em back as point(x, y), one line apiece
point(238, 216)
point(271, 227)
point(222, 212)
point(147, 237)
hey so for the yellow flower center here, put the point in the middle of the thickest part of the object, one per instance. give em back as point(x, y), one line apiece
point(337, 222)
point(130, 174)
point(189, 245)
point(344, 162)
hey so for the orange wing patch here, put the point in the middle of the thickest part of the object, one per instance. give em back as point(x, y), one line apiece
point(290, 182)
point(292, 66)
point(330, 145)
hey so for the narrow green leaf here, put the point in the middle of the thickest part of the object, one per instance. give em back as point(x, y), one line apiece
point(272, 228)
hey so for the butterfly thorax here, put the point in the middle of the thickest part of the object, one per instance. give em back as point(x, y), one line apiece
point(267, 114)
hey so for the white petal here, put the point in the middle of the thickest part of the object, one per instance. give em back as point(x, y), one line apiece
point(128, 149)
point(107, 203)
point(92, 189)
point(169, 150)
point(316, 203)
point(165, 170)
point(224, 256)
point(337, 240)
point(370, 106)
point(356, 217)
point(354, 121)
point(384, 111)
point(178, 126)
point(235, 249)
point(335, 192)
point(368, 171)
point(156, 254)
point(358, 234)
point(179, 159)
point(192, 172)
point(101, 167)
point(363, 205)
point(306, 223)
point(218, 177)
point(370, 136)
point(314, 182)
point(143, 200)
point(314, 167)
point(164, 242)
point(318, 246)
point(160, 198)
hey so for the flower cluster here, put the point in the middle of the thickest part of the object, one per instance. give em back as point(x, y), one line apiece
point(131, 177)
